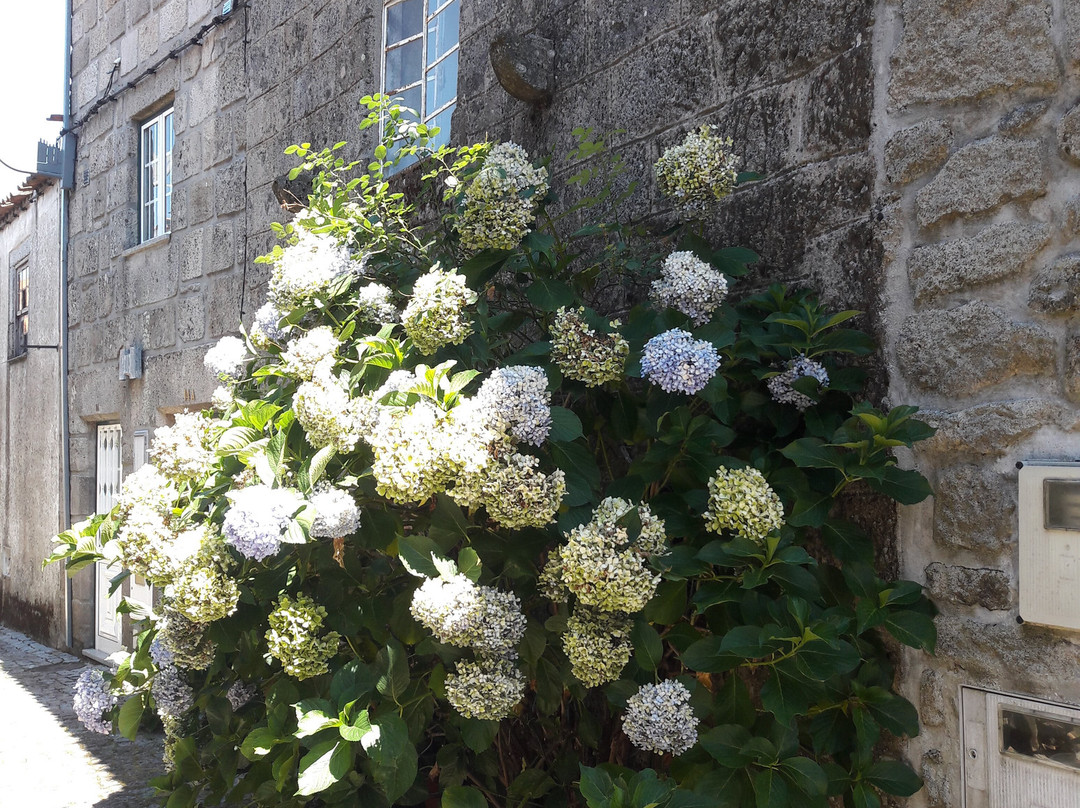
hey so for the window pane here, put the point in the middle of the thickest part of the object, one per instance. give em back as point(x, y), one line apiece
point(442, 82)
point(410, 98)
point(442, 120)
point(442, 31)
point(406, 161)
point(168, 171)
point(404, 20)
point(404, 65)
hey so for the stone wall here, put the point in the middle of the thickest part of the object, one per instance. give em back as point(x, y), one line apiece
point(31, 600)
point(977, 146)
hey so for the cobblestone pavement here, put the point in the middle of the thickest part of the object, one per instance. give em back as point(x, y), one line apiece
point(47, 758)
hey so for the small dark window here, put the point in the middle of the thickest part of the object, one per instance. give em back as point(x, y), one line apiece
point(20, 321)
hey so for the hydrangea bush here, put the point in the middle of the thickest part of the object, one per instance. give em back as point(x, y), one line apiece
point(467, 527)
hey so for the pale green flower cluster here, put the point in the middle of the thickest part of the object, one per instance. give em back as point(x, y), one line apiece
point(488, 688)
point(306, 353)
point(689, 285)
point(375, 304)
point(184, 450)
point(186, 641)
point(609, 577)
point(584, 355)
point(597, 644)
point(459, 612)
point(697, 172)
point(308, 268)
point(336, 513)
point(294, 638)
point(436, 315)
point(202, 589)
point(741, 501)
point(325, 410)
point(500, 202)
point(514, 491)
point(601, 567)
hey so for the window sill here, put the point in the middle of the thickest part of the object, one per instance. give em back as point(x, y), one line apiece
point(146, 245)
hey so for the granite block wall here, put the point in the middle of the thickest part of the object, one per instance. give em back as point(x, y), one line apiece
point(977, 186)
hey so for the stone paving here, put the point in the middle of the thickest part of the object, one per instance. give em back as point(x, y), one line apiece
point(47, 758)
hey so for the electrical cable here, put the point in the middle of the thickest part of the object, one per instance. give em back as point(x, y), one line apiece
point(16, 170)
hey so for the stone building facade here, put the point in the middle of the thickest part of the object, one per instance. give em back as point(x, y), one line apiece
point(920, 162)
point(30, 430)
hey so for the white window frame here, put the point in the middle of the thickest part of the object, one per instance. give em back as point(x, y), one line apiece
point(432, 8)
point(155, 176)
point(20, 308)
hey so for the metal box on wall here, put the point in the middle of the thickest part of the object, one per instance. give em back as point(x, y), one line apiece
point(1049, 538)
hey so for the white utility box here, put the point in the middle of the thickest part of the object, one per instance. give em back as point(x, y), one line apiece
point(1050, 543)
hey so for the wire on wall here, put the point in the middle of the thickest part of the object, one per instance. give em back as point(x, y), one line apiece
point(109, 96)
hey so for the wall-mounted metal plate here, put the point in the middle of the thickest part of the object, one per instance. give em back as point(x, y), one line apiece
point(1049, 538)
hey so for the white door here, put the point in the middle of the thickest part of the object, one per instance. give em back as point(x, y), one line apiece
point(139, 589)
point(108, 624)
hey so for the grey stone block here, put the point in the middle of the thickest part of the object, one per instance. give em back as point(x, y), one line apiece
point(1056, 288)
point(225, 305)
point(952, 52)
point(1023, 118)
point(1070, 379)
point(974, 509)
point(931, 699)
point(993, 429)
point(191, 318)
point(839, 103)
point(988, 588)
point(916, 150)
point(961, 351)
point(995, 253)
point(1070, 218)
point(220, 252)
point(1068, 133)
point(981, 177)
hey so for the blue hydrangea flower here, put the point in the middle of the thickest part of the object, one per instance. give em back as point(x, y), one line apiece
point(258, 518)
point(678, 363)
point(93, 700)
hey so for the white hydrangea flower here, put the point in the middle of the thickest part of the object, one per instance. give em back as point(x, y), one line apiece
point(500, 201)
point(183, 451)
point(265, 330)
point(780, 386)
point(294, 638)
point(202, 589)
point(459, 612)
point(257, 519)
point(93, 699)
point(658, 718)
point(435, 315)
point(375, 304)
point(185, 642)
point(689, 285)
point(308, 268)
point(148, 487)
point(323, 407)
point(227, 358)
point(584, 355)
point(306, 353)
point(519, 401)
point(336, 513)
point(698, 172)
point(741, 501)
point(488, 689)
point(678, 363)
point(222, 399)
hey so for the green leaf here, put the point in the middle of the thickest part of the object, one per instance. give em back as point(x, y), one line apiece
point(323, 766)
point(704, 656)
point(416, 553)
point(770, 790)
point(258, 743)
point(912, 628)
point(893, 777)
point(352, 682)
point(463, 797)
point(393, 757)
point(478, 734)
point(130, 716)
point(806, 775)
point(648, 647)
point(595, 786)
point(863, 796)
point(312, 715)
point(565, 425)
point(549, 295)
point(893, 712)
point(530, 784)
point(813, 453)
point(668, 604)
point(725, 743)
point(394, 664)
point(904, 485)
point(785, 694)
point(469, 565)
point(357, 729)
